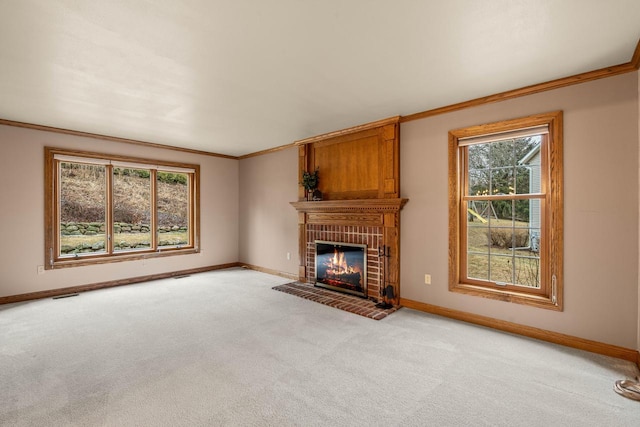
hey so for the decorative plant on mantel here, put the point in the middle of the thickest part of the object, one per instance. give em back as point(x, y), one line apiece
point(310, 181)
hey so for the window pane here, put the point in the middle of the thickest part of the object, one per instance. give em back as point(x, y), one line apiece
point(501, 238)
point(528, 172)
point(527, 270)
point(535, 239)
point(534, 217)
point(522, 212)
point(477, 242)
point(501, 269)
point(509, 238)
point(131, 209)
point(478, 183)
point(477, 236)
point(478, 267)
point(502, 181)
point(502, 210)
point(523, 180)
point(478, 156)
point(173, 209)
point(502, 154)
point(481, 210)
point(82, 209)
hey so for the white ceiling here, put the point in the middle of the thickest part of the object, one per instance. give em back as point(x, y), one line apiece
point(239, 76)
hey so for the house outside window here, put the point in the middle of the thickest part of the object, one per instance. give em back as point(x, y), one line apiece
point(505, 202)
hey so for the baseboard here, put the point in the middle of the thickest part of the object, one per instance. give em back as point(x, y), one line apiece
point(528, 331)
point(110, 284)
point(270, 271)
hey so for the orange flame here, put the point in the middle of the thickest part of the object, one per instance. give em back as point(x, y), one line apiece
point(338, 264)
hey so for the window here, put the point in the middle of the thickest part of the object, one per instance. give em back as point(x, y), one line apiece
point(102, 208)
point(505, 210)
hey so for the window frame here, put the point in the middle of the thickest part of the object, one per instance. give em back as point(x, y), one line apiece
point(550, 293)
point(53, 257)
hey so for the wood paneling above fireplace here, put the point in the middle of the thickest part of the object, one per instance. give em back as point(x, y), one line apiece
point(359, 171)
point(356, 163)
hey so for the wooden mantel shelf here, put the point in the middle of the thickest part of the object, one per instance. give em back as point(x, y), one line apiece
point(359, 205)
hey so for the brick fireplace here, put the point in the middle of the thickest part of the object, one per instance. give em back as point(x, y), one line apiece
point(373, 222)
point(368, 236)
point(359, 182)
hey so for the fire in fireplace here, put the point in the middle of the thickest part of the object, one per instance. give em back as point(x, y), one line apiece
point(342, 267)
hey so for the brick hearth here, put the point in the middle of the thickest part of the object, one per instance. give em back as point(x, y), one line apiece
point(345, 302)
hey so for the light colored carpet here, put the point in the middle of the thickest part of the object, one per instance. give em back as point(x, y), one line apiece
point(223, 348)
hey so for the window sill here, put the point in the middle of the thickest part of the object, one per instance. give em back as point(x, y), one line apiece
point(539, 301)
point(128, 256)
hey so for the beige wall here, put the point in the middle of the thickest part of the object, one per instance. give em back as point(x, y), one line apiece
point(246, 215)
point(22, 195)
point(268, 223)
point(601, 210)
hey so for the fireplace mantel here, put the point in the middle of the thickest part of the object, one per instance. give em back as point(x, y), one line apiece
point(373, 222)
point(359, 172)
point(360, 205)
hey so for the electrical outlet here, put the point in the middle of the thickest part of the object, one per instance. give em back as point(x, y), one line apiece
point(288, 255)
point(41, 269)
point(427, 279)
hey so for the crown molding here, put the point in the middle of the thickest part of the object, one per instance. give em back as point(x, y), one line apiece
point(348, 131)
point(267, 151)
point(602, 73)
point(110, 138)
point(635, 59)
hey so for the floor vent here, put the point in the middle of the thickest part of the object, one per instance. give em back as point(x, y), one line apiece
point(65, 296)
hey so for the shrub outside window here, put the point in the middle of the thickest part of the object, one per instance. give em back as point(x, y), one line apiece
point(505, 202)
point(103, 208)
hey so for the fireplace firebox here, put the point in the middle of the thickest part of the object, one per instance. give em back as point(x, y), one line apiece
point(341, 267)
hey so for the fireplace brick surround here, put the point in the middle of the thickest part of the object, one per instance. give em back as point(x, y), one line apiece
point(373, 222)
point(370, 236)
